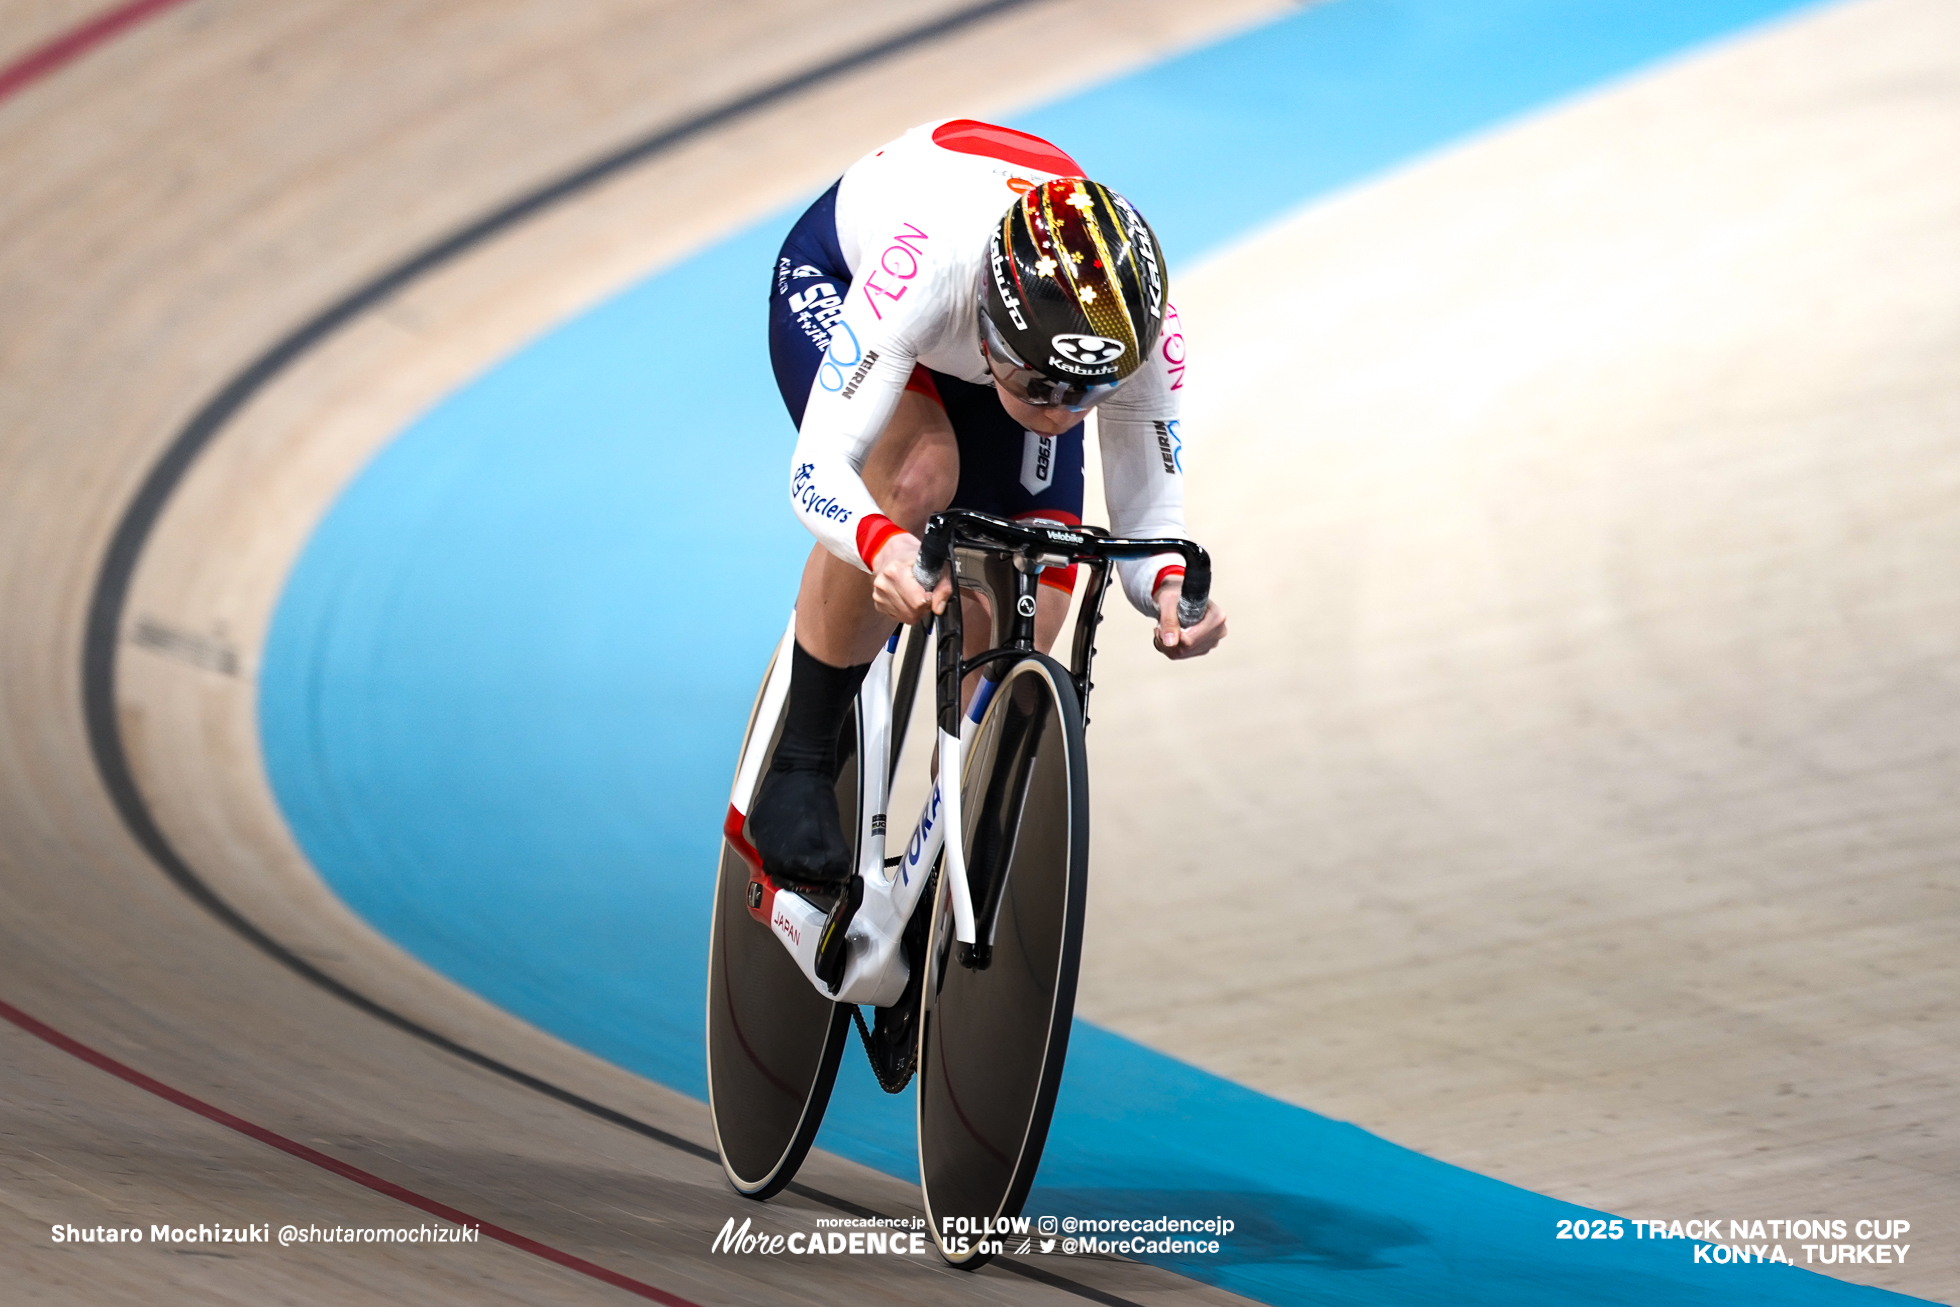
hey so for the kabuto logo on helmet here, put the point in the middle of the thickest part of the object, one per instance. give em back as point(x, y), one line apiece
point(1088, 351)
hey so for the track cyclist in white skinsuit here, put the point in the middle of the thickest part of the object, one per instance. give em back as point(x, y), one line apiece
point(941, 320)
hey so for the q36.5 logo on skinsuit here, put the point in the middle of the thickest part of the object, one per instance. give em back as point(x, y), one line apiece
point(1088, 351)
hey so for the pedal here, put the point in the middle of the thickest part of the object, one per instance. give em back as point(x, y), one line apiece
point(976, 957)
point(832, 950)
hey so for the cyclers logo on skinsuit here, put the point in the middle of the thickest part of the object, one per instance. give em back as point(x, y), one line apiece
point(804, 494)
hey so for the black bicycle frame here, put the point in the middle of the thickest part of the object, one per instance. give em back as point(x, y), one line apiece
point(1033, 547)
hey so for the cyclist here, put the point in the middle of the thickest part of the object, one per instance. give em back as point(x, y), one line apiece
point(934, 351)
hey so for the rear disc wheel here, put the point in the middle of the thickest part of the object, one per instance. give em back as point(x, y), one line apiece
point(773, 1041)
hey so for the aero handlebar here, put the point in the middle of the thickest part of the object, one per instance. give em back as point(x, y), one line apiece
point(948, 530)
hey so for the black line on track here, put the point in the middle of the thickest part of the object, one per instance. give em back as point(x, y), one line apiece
point(110, 597)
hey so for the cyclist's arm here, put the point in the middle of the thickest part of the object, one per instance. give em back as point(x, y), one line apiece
point(1143, 475)
point(853, 396)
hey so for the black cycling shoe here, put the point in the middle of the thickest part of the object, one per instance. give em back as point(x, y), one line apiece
point(796, 830)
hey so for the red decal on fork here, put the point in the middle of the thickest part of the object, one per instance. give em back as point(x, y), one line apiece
point(762, 890)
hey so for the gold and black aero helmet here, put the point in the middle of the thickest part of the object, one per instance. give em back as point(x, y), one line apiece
point(1071, 296)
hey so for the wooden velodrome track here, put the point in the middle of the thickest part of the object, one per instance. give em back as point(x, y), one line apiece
point(177, 201)
point(1628, 769)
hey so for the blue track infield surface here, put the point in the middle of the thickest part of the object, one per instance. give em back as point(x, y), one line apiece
point(504, 688)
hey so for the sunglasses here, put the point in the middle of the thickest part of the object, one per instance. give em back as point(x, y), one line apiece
point(1029, 386)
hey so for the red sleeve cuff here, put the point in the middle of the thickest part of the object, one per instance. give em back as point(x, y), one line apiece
point(1164, 574)
point(874, 529)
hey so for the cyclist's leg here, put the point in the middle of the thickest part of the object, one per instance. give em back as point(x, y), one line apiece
point(910, 472)
point(793, 820)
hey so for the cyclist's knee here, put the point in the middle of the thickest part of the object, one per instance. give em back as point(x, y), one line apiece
point(914, 468)
point(922, 487)
point(1053, 603)
point(923, 483)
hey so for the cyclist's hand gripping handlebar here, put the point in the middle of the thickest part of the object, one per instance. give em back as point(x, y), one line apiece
point(933, 549)
point(1195, 596)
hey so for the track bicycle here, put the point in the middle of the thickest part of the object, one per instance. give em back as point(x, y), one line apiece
point(975, 924)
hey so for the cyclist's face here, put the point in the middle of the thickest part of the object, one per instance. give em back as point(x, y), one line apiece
point(1047, 421)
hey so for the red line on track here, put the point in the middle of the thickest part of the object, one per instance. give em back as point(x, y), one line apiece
point(104, 1062)
point(76, 42)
